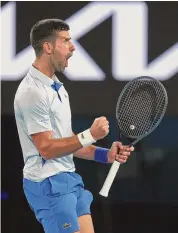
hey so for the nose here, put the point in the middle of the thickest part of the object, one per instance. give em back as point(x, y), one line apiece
point(72, 47)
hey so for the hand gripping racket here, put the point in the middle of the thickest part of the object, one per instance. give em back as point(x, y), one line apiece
point(139, 110)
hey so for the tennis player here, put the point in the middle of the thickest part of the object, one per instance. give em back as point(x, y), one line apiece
point(54, 191)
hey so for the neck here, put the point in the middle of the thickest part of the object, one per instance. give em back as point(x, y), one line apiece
point(44, 66)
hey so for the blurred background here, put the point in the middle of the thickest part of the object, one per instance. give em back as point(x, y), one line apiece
point(115, 42)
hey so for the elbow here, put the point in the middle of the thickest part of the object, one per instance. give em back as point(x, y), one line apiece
point(48, 154)
point(45, 153)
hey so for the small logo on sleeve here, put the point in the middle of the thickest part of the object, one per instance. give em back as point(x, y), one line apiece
point(66, 225)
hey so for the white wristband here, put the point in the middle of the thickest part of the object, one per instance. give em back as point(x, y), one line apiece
point(86, 138)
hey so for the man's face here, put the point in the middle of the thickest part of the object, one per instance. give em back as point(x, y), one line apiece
point(63, 50)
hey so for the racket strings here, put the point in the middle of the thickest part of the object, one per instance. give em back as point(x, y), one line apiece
point(161, 102)
point(140, 107)
point(140, 122)
point(141, 103)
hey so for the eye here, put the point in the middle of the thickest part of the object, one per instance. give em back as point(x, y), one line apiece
point(65, 41)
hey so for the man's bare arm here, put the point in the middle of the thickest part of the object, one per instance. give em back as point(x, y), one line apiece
point(50, 148)
point(86, 152)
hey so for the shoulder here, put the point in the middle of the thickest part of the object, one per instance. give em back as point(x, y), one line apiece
point(30, 93)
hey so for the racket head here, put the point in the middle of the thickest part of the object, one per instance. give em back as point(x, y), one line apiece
point(141, 106)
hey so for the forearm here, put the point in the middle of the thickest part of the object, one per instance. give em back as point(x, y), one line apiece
point(50, 148)
point(86, 152)
point(56, 148)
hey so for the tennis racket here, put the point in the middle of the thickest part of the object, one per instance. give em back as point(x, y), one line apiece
point(139, 110)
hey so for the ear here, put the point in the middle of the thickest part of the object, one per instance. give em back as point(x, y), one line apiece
point(48, 48)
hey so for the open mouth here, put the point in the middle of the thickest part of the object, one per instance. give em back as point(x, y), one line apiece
point(66, 64)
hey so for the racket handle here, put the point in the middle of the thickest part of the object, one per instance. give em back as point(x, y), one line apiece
point(109, 179)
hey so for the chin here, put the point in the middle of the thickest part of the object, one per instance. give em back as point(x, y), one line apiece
point(60, 70)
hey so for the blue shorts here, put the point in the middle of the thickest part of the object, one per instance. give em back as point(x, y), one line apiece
point(58, 201)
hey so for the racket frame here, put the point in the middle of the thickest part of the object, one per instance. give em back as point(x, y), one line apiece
point(115, 166)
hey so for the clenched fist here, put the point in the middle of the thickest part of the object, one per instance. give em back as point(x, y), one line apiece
point(99, 128)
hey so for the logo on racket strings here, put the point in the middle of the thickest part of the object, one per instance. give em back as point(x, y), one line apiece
point(132, 127)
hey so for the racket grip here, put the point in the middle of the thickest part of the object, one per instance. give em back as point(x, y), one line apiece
point(109, 179)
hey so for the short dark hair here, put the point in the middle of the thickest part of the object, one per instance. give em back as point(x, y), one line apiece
point(45, 30)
